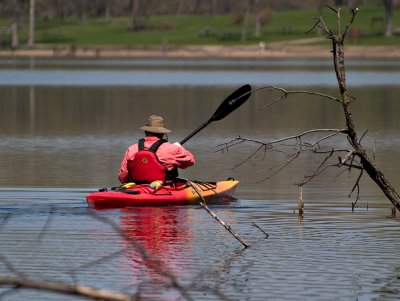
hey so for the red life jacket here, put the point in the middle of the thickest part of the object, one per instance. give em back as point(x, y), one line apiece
point(146, 167)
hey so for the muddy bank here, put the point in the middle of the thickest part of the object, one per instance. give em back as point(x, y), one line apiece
point(249, 52)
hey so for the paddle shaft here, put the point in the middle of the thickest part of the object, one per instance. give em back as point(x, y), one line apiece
point(195, 131)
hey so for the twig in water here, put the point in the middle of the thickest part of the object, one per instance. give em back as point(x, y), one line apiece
point(259, 228)
point(301, 202)
point(393, 212)
point(301, 206)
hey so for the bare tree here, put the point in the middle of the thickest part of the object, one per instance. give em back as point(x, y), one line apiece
point(354, 158)
point(246, 5)
point(81, 10)
point(196, 6)
point(108, 10)
point(31, 28)
point(257, 32)
point(134, 15)
point(14, 25)
point(388, 4)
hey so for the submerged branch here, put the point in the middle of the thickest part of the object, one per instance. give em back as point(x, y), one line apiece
point(298, 144)
point(220, 221)
point(239, 140)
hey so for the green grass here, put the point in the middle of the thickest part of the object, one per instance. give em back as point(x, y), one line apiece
point(204, 30)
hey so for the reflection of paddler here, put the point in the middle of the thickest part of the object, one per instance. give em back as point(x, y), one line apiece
point(162, 233)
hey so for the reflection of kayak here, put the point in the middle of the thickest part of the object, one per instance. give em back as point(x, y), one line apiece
point(180, 194)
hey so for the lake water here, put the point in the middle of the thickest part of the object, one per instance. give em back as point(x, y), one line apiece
point(64, 127)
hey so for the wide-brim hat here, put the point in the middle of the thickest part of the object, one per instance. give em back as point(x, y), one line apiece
point(155, 124)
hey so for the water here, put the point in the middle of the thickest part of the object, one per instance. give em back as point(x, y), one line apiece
point(39, 72)
point(59, 142)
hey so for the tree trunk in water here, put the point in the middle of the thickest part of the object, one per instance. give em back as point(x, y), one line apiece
point(375, 174)
point(31, 31)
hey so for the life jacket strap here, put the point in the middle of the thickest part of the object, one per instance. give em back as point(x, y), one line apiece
point(153, 148)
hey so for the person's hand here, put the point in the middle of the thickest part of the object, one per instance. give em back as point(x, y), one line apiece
point(177, 144)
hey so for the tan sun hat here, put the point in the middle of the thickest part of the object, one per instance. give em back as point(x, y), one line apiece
point(155, 124)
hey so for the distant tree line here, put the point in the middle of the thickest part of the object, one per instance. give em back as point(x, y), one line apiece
point(138, 10)
point(64, 9)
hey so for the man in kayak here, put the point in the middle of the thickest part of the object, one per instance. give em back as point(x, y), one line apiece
point(154, 158)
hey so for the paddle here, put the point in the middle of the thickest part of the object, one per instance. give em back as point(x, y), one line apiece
point(230, 104)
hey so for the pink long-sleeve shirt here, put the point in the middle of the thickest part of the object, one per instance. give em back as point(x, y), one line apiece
point(169, 154)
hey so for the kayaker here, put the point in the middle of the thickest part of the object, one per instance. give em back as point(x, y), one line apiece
point(154, 158)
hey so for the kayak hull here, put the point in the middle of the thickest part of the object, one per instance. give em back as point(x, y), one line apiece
point(184, 194)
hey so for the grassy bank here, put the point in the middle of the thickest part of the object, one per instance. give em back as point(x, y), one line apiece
point(202, 30)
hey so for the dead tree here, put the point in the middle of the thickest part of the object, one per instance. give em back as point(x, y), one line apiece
point(354, 158)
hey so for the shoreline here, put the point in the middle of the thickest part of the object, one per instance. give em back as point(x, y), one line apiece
point(199, 52)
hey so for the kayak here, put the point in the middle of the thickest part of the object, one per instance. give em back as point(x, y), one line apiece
point(182, 193)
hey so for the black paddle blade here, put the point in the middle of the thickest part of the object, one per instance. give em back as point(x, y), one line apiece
point(232, 102)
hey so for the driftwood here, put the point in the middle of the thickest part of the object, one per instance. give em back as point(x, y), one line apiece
point(354, 158)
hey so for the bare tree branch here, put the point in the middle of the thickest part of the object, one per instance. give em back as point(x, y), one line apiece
point(60, 287)
point(332, 8)
point(11, 267)
point(286, 93)
point(353, 15)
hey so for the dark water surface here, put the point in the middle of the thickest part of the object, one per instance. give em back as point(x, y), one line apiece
point(60, 141)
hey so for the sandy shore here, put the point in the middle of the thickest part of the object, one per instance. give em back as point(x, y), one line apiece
point(264, 51)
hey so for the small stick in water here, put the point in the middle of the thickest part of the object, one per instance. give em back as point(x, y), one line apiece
point(259, 228)
point(301, 205)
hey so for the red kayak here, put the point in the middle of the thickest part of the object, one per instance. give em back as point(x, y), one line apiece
point(182, 193)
